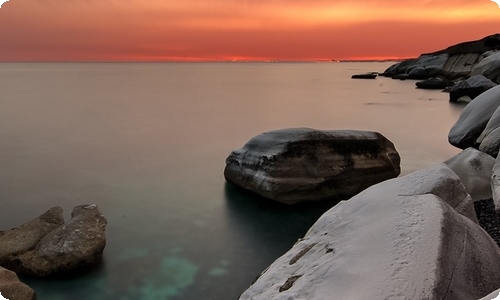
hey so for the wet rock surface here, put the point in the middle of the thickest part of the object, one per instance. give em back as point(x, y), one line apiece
point(301, 164)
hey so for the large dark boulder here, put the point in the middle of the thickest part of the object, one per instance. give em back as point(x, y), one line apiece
point(302, 164)
point(69, 248)
point(471, 87)
point(13, 289)
point(454, 62)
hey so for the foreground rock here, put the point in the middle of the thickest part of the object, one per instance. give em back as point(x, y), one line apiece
point(473, 119)
point(67, 248)
point(471, 87)
point(454, 62)
point(399, 239)
point(301, 164)
point(19, 240)
point(13, 289)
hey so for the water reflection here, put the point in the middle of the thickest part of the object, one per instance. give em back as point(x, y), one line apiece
point(265, 229)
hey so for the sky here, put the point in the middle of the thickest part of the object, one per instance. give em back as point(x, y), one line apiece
point(213, 30)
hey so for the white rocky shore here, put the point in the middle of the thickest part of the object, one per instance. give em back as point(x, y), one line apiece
point(416, 236)
point(413, 237)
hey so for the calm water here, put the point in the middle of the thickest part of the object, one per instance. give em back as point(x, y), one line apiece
point(147, 143)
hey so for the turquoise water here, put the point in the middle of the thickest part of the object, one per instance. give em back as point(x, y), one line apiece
point(147, 143)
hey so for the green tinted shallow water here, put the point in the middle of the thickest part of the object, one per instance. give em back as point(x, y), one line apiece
point(147, 143)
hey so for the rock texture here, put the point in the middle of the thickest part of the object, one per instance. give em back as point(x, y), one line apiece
point(46, 246)
point(13, 289)
point(76, 245)
point(489, 67)
point(495, 184)
point(471, 87)
point(395, 240)
point(454, 62)
point(475, 169)
point(473, 119)
point(489, 140)
point(24, 238)
point(302, 164)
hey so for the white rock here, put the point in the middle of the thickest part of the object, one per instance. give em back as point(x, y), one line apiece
point(474, 169)
point(395, 240)
point(492, 296)
point(473, 119)
point(495, 184)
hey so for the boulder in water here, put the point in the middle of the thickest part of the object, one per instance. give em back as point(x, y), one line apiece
point(72, 247)
point(302, 164)
point(19, 240)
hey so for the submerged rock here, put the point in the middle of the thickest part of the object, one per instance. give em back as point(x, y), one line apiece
point(473, 119)
point(399, 239)
point(302, 164)
point(471, 87)
point(13, 289)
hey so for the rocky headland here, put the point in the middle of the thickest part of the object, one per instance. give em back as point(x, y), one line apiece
point(455, 62)
point(431, 234)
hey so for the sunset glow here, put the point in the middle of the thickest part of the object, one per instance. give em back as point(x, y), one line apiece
point(194, 30)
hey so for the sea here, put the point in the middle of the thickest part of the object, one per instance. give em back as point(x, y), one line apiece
point(147, 143)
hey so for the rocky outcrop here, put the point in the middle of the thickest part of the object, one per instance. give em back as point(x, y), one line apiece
point(13, 289)
point(67, 248)
point(454, 62)
point(400, 239)
point(19, 240)
point(489, 67)
point(302, 164)
point(473, 119)
point(471, 87)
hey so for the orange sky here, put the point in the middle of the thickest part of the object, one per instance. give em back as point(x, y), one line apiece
point(123, 30)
